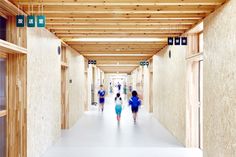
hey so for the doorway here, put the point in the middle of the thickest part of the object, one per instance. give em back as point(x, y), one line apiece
point(64, 100)
point(151, 93)
point(195, 105)
point(3, 106)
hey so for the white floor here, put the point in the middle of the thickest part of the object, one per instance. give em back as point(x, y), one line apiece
point(98, 135)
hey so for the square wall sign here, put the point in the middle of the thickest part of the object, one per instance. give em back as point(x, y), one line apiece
point(31, 21)
point(184, 41)
point(170, 40)
point(41, 21)
point(177, 40)
point(20, 20)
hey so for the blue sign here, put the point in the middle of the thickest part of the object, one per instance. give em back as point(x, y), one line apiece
point(20, 20)
point(41, 21)
point(31, 21)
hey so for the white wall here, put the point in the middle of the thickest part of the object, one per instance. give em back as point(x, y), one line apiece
point(44, 91)
point(169, 98)
point(220, 82)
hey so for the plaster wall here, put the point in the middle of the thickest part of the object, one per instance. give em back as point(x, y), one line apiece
point(169, 90)
point(44, 87)
point(219, 82)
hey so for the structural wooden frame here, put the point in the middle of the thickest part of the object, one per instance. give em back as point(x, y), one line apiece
point(71, 19)
point(64, 89)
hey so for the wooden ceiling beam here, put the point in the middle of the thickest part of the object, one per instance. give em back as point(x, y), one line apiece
point(126, 16)
point(140, 35)
point(123, 2)
point(117, 52)
point(115, 43)
point(118, 58)
point(132, 24)
point(123, 9)
point(125, 19)
point(199, 11)
point(117, 55)
point(119, 31)
point(114, 50)
point(120, 21)
point(9, 8)
point(119, 27)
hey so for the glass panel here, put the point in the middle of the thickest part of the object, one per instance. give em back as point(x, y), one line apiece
point(201, 42)
point(3, 136)
point(2, 84)
point(3, 26)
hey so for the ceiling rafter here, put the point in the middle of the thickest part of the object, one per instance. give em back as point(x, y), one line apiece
point(70, 20)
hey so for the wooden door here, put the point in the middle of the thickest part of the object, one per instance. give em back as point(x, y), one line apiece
point(194, 107)
point(151, 93)
point(3, 106)
point(64, 100)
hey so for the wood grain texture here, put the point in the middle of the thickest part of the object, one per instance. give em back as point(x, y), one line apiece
point(120, 19)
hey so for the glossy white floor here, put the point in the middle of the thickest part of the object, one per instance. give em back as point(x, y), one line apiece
point(98, 135)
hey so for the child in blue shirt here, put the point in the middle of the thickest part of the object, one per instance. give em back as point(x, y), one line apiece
point(134, 102)
point(101, 94)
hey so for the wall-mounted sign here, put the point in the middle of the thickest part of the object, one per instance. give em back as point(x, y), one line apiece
point(143, 63)
point(184, 41)
point(170, 41)
point(92, 62)
point(20, 20)
point(31, 21)
point(41, 21)
point(177, 40)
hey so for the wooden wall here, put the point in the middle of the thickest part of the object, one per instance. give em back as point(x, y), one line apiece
point(17, 93)
point(16, 35)
point(17, 112)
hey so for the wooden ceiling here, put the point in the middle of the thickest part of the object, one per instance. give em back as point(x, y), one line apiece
point(74, 19)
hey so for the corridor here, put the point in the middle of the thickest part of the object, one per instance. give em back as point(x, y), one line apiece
point(98, 134)
point(59, 58)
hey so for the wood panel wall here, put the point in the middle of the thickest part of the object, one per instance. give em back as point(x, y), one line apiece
point(16, 35)
point(17, 105)
point(64, 90)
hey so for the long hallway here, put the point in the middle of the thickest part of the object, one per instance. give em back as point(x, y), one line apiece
point(98, 134)
point(59, 58)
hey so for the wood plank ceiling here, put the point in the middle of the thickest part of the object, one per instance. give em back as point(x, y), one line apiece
point(71, 20)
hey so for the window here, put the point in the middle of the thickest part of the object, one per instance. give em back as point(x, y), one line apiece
point(3, 26)
point(201, 43)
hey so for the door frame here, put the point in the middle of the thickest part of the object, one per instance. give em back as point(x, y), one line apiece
point(194, 126)
point(4, 113)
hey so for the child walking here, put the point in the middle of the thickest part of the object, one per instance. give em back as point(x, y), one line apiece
point(101, 94)
point(134, 102)
point(118, 107)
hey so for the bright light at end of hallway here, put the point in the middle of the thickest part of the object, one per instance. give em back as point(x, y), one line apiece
point(116, 39)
